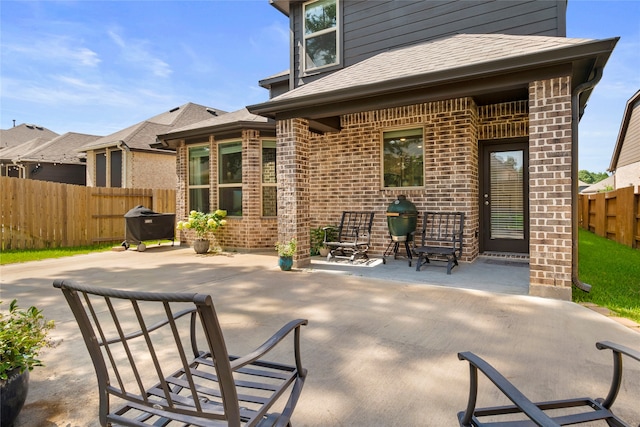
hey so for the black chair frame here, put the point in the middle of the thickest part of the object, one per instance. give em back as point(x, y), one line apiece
point(590, 409)
point(135, 339)
point(353, 234)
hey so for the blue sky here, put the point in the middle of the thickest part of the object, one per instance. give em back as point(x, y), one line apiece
point(99, 66)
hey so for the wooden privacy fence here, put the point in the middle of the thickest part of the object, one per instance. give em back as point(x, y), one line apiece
point(40, 214)
point(614, 215)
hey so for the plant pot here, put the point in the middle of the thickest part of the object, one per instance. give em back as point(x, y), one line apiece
point(285, 263)
point(324, 251)
point(13, 394)
point(201, 246)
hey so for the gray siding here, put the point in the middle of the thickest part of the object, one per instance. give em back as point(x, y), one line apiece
point(630, 151)
point(370, 27)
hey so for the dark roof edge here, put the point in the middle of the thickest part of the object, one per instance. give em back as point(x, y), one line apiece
point(163, 139)
point(624, 125)
point(519, 63)
point(282, 5)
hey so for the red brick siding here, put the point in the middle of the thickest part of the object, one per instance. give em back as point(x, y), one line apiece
point(550, 185)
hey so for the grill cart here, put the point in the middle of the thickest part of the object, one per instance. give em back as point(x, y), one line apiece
point(144, 224)
point(402, 218)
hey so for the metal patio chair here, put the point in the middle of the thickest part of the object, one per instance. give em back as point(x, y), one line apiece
point(140, 342)
point(547, 414)
point(354, 236)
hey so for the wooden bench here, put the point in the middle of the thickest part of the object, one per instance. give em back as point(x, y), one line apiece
point(524, 412)
point(441, 236)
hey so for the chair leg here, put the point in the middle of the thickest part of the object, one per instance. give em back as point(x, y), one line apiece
point(452, 260)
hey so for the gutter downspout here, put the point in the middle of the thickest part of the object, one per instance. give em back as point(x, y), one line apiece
point(122, 146)
point(575, 119)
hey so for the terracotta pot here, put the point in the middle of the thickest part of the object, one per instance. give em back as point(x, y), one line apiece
point(285, 263)
point(13, 393)
point(201, 246)
point(324, 251)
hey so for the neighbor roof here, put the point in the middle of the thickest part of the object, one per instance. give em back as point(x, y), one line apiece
point(458, 65)
point(625, 127)
point(142, 135)
point(62, 149)
point(23, 133)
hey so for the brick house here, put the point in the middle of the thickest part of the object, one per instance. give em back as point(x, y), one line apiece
point(127, 159)
point(416, 98)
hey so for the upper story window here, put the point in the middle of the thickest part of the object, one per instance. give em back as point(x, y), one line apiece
point(403, 158)
point(199, 178)
point(230, 177)
point(320, 34)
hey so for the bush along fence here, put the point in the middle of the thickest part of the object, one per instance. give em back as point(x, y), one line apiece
point(39, 214)
point(614, 215)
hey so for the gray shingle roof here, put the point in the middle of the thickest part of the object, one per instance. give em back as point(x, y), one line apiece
point(23, 133)
point(240, 116)
point(141, 135)
point(62, 149)
point(437, 55)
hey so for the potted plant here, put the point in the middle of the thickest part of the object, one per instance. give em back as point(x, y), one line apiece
point(203, 223)
point(318, 238)
point(286, 251)
point(22, 334)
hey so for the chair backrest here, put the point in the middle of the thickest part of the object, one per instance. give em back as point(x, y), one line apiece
point(355, 225)
point(440, 228)
point(137, 339)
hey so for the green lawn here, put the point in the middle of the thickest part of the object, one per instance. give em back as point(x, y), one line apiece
point(613, 271)
point(13, 256)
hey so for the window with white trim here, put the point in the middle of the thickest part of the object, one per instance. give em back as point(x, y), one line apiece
point(230, 177)
point(269, 181)
point(198, 183)
point(403, 158)
point(320, 34)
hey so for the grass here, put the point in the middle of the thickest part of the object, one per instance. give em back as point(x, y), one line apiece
point(13, 256)
point(613, 271)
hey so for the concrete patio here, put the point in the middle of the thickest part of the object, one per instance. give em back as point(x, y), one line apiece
point(381, 342)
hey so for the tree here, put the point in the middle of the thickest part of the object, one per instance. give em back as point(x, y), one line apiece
point(591, 177)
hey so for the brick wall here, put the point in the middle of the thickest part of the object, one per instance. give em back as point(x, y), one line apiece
point(343, 170)
point(249, 232)
point(550, 187)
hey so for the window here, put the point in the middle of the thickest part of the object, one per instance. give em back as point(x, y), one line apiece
point(101, 169)
point(269, 183)
point(116, 168)
point(403, 158)
point(320, 34)
point(230, 178)
point(199, 179)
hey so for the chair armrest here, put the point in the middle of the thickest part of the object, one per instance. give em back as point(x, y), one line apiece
point(269, 344)
point(325, 229)
point(509, 390)
point(618, 350)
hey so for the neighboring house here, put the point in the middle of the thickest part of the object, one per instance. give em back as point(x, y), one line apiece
point(440, 101)
point(127, 159)
point(56, 160)
point(22, 133)
point(625, 162)
point(599, 187)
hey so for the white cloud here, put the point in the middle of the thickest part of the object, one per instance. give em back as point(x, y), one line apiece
point(136, 52)
point(52, 49)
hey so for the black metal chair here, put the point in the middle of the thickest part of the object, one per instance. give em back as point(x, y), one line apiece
point(442, 236)
point(582, 410)
point(140, 342)
point(354, 236)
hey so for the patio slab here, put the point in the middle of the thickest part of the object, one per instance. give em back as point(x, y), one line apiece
point(380, 348)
